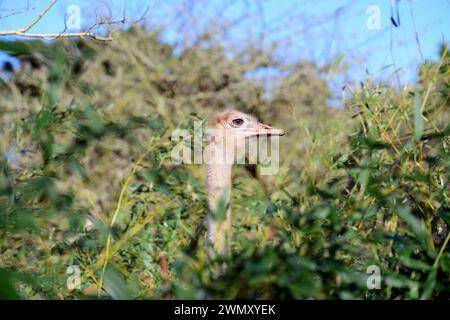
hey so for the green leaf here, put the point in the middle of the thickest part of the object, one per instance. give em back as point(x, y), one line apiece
point(24, 48)
point(445, 262)
point(221, 213)
point(416, 225)
point(398, 281)
point(7, 290)
point(45, 119)
point(116, 286)
point(336, 63)
point(414, 263)
point(429, 285)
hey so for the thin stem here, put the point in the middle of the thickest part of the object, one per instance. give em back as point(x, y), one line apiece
point(106, 255)
point(444, 245)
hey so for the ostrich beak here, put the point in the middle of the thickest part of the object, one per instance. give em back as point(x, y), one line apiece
point(259, 129)
point(264, 129)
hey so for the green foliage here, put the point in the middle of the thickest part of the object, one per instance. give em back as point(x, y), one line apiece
point(86, 178)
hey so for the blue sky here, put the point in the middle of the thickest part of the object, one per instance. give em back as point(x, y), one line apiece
point(316, 30)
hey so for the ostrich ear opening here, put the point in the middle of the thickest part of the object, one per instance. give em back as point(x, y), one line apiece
point(221, 117)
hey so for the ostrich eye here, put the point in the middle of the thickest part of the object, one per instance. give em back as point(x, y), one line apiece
point(238, 122)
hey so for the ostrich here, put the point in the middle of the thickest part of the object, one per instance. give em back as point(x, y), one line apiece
point(231, 129)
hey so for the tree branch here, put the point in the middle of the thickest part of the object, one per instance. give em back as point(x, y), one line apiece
point(39, 17)
point(23, 32)
point(62, 35)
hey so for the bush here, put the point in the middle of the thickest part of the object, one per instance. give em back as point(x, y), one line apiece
point(86, 177)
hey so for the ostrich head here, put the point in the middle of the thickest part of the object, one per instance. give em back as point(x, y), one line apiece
point(239, 124)
point(231, 130)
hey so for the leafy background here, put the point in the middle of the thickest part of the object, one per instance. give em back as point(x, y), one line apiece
point(86, 177)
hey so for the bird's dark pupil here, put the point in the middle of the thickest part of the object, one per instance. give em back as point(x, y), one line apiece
point(238, 122)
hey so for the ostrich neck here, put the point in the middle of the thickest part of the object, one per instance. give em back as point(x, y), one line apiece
point(218, 180)
point(219, 185)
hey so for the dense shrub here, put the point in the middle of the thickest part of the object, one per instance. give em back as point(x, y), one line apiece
point(86, 177)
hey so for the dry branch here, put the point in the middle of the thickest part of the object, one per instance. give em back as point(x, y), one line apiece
point(23, 32)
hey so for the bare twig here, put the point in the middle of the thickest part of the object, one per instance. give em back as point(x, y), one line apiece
point(64, 35)
point(15, 12)
point(39, 17)
point(23, 32)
